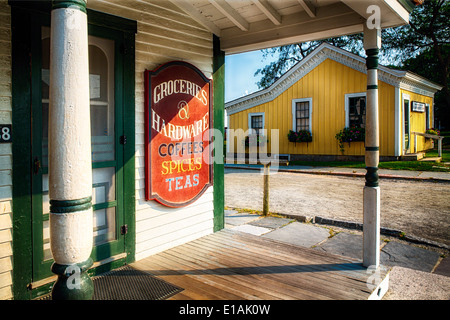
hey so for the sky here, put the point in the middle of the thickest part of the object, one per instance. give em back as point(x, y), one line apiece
point(240, 70)
point(239, 73)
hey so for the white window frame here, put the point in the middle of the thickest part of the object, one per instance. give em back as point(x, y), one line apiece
point(250, 115)
point(406, 97)
point(294, 112)
point(347, 105)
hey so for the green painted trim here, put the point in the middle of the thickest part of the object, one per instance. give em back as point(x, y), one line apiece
point(408, 5)
point(75, 284)
point(129, 129)
point(372, 52)
point(67, 206)
point(372, 177)
point(41, 267)
point(26, 20)
point(372, 148)
point(372, 59)
point(21, 166)
point(123, 25)
point(61, 269)
point(372, 62)
point(73, 4)
point(372, 87)
point(107, 267)
point(105, 205)
point(92, 272)
point(219, 105)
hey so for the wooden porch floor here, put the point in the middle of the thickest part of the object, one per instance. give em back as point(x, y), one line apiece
point(229, 265)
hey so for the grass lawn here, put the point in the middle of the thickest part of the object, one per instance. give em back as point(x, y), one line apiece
point(395, 165)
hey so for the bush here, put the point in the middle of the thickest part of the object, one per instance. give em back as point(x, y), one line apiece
point(433, 131)
point(300, 136)
point(350, 135)
point(259, 139)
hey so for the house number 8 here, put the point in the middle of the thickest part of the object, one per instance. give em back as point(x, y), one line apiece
point(5, 135)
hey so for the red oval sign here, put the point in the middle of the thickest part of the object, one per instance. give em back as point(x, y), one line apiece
point(178, 120)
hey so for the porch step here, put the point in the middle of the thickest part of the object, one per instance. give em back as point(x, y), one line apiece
point(412, 156)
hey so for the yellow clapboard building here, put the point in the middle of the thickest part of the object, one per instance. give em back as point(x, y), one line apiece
point(325, 93)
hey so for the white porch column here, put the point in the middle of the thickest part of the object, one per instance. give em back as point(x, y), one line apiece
point(371, 221)
point(70, 172)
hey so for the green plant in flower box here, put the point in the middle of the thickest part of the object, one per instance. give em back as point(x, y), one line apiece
point(299, 136)
point(433, 131)
point(351, 134)
point(255, 140)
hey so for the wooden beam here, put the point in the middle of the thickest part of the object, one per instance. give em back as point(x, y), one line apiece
point(231, 14)
point(359, 7)
point(331, 21)
point(309, 7)
point(269, 11)
point(187, 7)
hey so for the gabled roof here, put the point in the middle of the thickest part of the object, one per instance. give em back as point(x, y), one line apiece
point(398, 78)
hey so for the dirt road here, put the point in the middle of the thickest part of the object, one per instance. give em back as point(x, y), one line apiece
point(421, 209)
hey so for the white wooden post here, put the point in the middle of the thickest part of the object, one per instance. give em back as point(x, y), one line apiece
point(266, 189)
point(415, 143)
point(440, 147)
point(371, 221)
point(70, 172)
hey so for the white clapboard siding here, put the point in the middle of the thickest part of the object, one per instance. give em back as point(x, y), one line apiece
point(5, 155)
point(165, 33)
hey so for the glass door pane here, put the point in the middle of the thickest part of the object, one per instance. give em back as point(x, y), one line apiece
point(103, 133)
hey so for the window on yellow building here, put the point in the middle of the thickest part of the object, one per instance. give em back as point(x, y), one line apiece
point(301, 114)
point(256, 123)
point(355, 110)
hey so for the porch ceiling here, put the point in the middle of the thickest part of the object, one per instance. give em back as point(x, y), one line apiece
point(245, 25)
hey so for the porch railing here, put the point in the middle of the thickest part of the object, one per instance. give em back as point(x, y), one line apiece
point(431, 136)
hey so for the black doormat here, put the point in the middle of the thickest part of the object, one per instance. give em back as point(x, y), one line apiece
point(128, 283)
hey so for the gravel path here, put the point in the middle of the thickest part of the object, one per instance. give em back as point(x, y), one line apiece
point(421, 209)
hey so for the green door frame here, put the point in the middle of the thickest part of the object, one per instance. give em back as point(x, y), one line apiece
point(23, 17)
point(219, 113)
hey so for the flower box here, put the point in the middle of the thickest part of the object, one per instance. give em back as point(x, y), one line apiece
point(433, 131)
point(349, 135)
point(299, 136)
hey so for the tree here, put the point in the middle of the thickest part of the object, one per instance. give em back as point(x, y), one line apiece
point(422, 46)
point(291, 54)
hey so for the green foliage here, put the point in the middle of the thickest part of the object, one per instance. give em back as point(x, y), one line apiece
point(350, 135)
point(289, 55)
point(391, 165)
point(423, 47)
point(433, 131)
point(255, 140)
point(300, 136)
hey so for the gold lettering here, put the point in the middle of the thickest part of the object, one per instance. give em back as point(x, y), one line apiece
point(198, 162)
point(173, 166)
point(165, 168)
